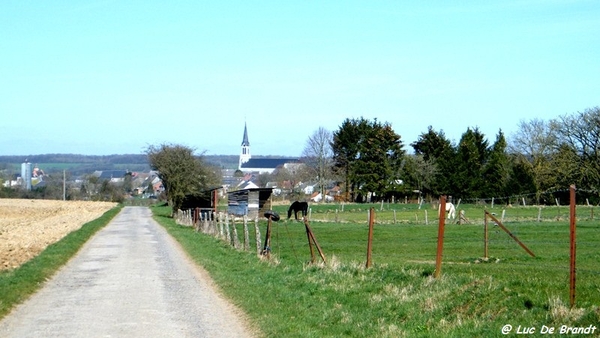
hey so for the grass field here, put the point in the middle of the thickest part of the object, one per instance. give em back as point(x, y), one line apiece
point(398, 296)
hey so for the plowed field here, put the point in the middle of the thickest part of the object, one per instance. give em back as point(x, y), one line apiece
point(27, 227)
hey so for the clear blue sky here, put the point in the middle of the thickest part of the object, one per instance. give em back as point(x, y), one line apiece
point(112, 77)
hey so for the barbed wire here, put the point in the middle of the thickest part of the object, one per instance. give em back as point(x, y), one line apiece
point(529, 194)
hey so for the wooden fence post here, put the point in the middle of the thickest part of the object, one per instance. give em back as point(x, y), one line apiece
point(223, 219)
point(227, 230)
point(257, 235)
point(440, 245)
point(370, 238)
point(485, 236)
point(235, 241)
point(246, 235)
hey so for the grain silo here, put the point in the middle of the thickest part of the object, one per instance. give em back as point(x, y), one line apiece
point(26, 173)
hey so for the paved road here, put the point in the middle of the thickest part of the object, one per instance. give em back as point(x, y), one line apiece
point(130, 280)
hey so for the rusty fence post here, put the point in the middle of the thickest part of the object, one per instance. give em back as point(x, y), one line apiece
point(573, 227)
point(313, 240)
point(440, 244)
point(499, 223)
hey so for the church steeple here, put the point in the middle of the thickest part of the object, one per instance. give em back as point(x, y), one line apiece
point(245, 142)
point(245, 153)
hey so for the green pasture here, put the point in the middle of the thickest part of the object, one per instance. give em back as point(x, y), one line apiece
point(398, 296)
point(428, 214)
point(84, 167)
point(47, 167)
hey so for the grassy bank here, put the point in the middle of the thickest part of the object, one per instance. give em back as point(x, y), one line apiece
point(398, 296)
point(18, 284)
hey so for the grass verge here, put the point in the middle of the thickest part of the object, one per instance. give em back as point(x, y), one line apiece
point(286, 297)
point(18, 284)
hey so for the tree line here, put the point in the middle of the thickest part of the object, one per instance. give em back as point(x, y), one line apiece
point(539, 162)
point(369, 161)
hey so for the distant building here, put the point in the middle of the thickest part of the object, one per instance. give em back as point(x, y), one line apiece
point(260, 165)
point(114, 176)
point(26, 174)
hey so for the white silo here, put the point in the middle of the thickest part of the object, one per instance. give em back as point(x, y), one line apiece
point(26, 173)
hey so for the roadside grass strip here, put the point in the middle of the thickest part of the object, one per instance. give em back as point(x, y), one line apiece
point(18, 284)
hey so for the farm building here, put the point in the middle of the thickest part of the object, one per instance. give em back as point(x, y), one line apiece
point(111, 175)
point(206, 201)
point(249, 202)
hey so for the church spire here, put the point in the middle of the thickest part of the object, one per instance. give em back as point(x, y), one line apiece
point(245, 153)
point(245, 142)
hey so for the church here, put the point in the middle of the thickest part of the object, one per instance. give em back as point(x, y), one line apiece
point(248, 164)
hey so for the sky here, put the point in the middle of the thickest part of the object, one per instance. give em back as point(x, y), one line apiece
point(114, 77)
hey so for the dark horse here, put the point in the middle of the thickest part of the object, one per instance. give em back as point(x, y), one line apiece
point(298, 206)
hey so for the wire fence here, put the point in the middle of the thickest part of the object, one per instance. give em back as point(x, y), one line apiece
point(408, 235)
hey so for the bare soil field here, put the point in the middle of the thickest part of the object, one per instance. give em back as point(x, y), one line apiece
point(27, 227)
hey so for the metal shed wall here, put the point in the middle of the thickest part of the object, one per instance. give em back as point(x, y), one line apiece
point(250, 202)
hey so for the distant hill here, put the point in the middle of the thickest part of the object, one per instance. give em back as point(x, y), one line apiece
point(77, 164)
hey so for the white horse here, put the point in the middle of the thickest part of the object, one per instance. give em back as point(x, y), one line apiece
point(450, 210)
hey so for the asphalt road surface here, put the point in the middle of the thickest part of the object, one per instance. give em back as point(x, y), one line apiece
point(130, 280)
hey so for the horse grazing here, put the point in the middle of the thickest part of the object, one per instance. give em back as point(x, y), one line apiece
point(298, 206)
point(450, 210)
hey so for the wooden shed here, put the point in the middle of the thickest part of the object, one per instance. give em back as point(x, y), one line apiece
point(207, 200)
point(249, 202)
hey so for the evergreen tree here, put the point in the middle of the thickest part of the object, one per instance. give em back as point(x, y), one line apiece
point(472, 155)
point(496, 170)
point(369, 154)
point(379, 161)
point(521, 178)
point(439, 154)
point(345, 148)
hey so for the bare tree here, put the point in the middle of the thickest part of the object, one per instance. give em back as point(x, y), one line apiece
point(535, 142)
point(317, 156)
point(534, 139)
point(581, 132)
point(420, 173)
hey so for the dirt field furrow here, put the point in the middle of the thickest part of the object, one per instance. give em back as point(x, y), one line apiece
point(27, 227)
